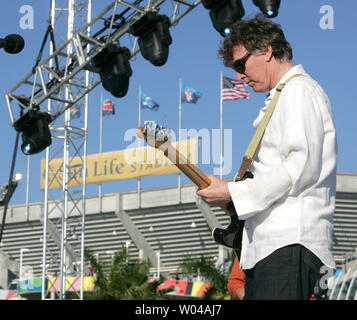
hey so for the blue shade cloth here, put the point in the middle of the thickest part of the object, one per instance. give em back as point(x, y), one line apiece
point(148, 103)
point(189, 95)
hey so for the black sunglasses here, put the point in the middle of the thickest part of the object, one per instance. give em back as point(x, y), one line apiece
point(239, 64)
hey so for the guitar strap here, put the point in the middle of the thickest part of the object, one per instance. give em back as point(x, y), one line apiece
point(253, 145)
point(232, 235)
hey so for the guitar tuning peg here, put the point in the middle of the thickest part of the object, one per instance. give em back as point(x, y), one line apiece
point(165, 134)
point(150, 128)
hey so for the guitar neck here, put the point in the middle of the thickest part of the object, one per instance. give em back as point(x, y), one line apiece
point(189, 169)
point(192, 172)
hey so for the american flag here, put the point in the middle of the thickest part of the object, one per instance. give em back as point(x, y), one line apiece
point(233, 89)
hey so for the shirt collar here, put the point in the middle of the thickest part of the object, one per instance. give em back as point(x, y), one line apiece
point(294, 70)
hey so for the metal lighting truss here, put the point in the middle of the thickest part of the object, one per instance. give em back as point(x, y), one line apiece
point(59, 85)
point(65, 220)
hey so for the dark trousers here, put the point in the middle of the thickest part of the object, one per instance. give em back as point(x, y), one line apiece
point(289, 273)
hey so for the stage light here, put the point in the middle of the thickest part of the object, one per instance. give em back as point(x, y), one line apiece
point(154, 37)
point(113, 66)
point(36, 135)
point(224, 13)
point(269, 7)
point(227, 31)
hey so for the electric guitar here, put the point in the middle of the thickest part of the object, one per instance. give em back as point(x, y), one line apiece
point(159, 137)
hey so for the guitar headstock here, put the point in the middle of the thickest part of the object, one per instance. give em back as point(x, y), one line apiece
point(154, 134)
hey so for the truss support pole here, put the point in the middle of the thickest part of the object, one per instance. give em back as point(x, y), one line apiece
point(65, 221)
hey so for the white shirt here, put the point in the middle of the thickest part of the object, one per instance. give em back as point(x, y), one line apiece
point(291, 198)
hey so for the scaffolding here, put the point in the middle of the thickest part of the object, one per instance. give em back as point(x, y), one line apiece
point(65, 221)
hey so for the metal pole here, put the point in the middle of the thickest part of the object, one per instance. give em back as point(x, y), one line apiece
point(45, 225)
point(20, 275)
point(27, 187)
point(179, 132)
point(100, 145)
point(158, 264)
point(66, 144)
point(22, 250)
point(45, 209)
point(139, 145)
point(221, 128)
point(86, 98)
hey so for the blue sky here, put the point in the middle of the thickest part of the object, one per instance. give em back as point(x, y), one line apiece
point(327, 54)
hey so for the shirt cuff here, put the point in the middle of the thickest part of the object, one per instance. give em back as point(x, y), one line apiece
point(240, 195)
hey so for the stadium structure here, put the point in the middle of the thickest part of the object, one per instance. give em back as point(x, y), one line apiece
point(174, 229)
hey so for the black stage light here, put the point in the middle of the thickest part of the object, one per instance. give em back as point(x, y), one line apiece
point(224, 13)
point(113, 66)
point(154, 37)
point(13, 43)
point(269, 7)
point(36, 135)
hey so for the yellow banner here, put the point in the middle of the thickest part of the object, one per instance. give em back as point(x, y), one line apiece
point(117, 165)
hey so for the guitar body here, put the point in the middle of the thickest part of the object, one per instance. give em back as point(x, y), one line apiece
point(232, 235)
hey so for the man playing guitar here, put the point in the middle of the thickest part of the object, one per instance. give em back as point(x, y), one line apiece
point(288, 206)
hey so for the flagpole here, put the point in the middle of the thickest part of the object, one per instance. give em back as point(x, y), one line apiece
point(100, 146)
point(139, 144)
point(27, 188)
point(221, 126)
point(179, 132)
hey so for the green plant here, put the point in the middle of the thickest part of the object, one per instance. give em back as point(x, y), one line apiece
point(125, 280)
